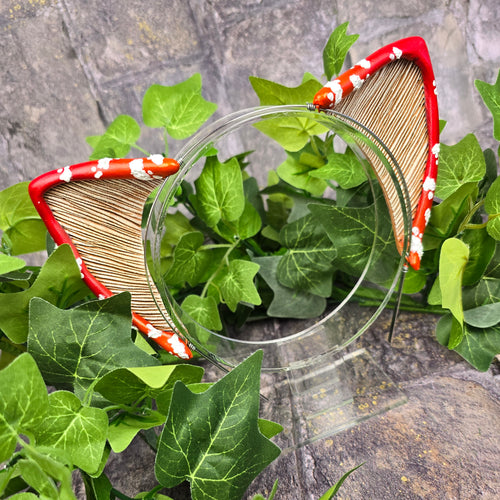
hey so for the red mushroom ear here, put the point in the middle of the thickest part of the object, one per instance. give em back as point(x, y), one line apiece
point(96, 207)
point(393, 94)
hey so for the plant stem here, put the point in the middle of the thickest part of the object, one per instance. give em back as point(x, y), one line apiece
point(143, 151)
point(223, 261)
point(469, 216)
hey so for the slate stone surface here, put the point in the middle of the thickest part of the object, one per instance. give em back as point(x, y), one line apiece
point(69, 67)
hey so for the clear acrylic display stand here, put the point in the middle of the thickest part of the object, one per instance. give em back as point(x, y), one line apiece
point(315, 380)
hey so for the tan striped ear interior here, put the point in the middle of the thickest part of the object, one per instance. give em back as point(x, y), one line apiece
point(103, 220)
point(391, 103)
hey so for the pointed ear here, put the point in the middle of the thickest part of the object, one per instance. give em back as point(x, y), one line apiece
point(96, 207)
point(393, 94)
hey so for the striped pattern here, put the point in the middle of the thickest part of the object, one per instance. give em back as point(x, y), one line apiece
point(391, 103)
point(103, 220)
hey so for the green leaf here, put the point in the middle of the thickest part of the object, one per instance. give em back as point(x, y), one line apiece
point(447, 216)
point(73, 348)
point(491, 97)
point(307, 264)
point(121, 134)
point(246, 226)
point(23, 403)
point(487, 291)
point(46, 472)
point(483, 316)
point(414, 281)
point(213, 439)
point(492, 207)
point(298, 174)
point(493, 269)
point(459, 164)
point(59, 283)
point(122, 431)
point(274, 94)
point(9, 264)
point(353, 232)
point(452, 263)
point(328, 495)
point(219, 191)
point(344, 168)
point(97, 488)
point(176, 224)
point(189, 262)
point(179, 108)
point(78, 430)
point(203, 310)
point(20, 221)
point(269, 428)
point(237, 285)
point(478, 346)
point(336, 50)
point(491, 172)
point(292, 133)
point(493, 227)
point(481, 250)
point(36, 477)
point(271, 495)
point(128, 385)
point(288, 303)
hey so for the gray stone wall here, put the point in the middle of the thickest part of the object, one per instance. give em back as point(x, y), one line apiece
point(68, 67)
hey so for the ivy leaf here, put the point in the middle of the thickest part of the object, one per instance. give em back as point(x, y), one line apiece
point(459, 164)
point(78, 430)
point(73, 348)
point(452, 263)
point(97, 488)
point(481, 250)
point(9, 263)
point(307, 264)
point(478, 346)
point(23, 405)
point(43, 473)
point(491, 97)
point(122, 432)
point(292, 133)
point(189, 262)
point(352, 231)
point(179, 108)
point(213, 439)
point(128, 385)
point(492, 207)
point(59, 283)
point(448, 215)
point(122, 133)
point(298, 174)
point(288, 303)
point(344, 168)
point(20, 221)
point(487, 291)
point(203, 310)
point(274, 94)
point(483, 316)
point(237, 284)
point(219, 191)
point(493, 269)
point(336, 50)
point(246, 226)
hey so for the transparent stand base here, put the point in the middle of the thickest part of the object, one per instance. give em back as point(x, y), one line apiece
point(321, 400)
